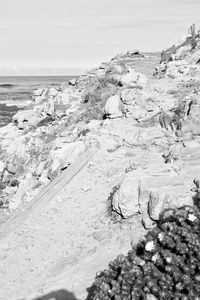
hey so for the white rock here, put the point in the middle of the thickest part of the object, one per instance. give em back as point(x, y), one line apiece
point(39, 99)
point(66, 155)
point(26, 184)
point(94, 125)
point(52, 92)
point(38, 92)
point(113, 107)
point(133, 78)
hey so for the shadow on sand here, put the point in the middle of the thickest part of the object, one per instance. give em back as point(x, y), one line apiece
point(57, 295)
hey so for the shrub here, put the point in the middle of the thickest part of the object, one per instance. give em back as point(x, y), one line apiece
point(95, 97)
point(165, 265)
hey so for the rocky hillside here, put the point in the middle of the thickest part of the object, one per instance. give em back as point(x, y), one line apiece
point(91, 166)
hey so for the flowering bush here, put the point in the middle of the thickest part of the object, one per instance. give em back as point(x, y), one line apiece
point(165, 265)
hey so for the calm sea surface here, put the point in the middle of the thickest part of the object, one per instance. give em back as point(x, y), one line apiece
point(16, 92)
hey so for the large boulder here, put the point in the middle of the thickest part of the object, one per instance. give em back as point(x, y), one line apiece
point(160, 192)
point(125, 200)
point(182, 52)
point(113, 107)
point(62, 157)
point(143, 135)
point(27, 183)
point(149, 192)
point(133, 78)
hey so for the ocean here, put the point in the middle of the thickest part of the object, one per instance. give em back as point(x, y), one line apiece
point(16, 92)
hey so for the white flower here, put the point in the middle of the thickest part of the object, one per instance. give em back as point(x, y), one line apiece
point(149, 246)
point(168, 259)
point(155, 257)
point(160, 236)
point(191, 217)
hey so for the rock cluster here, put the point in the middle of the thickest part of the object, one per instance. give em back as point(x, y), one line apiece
point(48, 136)
point(63, 123)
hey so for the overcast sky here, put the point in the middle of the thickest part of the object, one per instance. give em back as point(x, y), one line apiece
point(74, 33)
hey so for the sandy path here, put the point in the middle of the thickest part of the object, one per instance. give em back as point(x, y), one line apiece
point(67, 233)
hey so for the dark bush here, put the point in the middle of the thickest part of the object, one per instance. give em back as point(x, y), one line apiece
point(165, 265)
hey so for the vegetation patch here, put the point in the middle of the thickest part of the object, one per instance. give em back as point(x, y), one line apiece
point(165, 265)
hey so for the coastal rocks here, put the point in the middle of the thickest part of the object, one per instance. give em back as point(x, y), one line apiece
point(144, 136)
point(116, 69)
point(15, 165)
point(125, 200)
point(66, 102)
point(72, 82)
point(181, 61)
point(133, 79)
point(139, 104)
point(40, 92)
point(160, 192)
point(39, 95)
point(182, 52)
point(113, 107)
point(109, 143)
point(133, 52)
point(177, 69)
point(129, 96)
point(103, 66)
point(26, 184)
point(52, 93)
point(151, 186)
point(66, 155)
point(27, 119)
point(93, 125)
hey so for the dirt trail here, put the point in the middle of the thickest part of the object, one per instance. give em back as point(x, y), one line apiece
point(50, 191)
point(65, 239)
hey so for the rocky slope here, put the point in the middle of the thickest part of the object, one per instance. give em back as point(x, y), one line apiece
point(90, 167)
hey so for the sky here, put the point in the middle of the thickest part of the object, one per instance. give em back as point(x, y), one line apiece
point(60, 36)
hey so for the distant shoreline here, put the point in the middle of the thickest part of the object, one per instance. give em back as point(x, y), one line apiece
point(16, 92)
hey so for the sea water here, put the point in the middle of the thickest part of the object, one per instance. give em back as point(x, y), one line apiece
point(16, 92)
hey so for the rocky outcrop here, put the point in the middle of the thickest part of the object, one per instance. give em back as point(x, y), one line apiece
point(150, 194)
point(133, 79)
point(126, 198)
point(64, 155)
